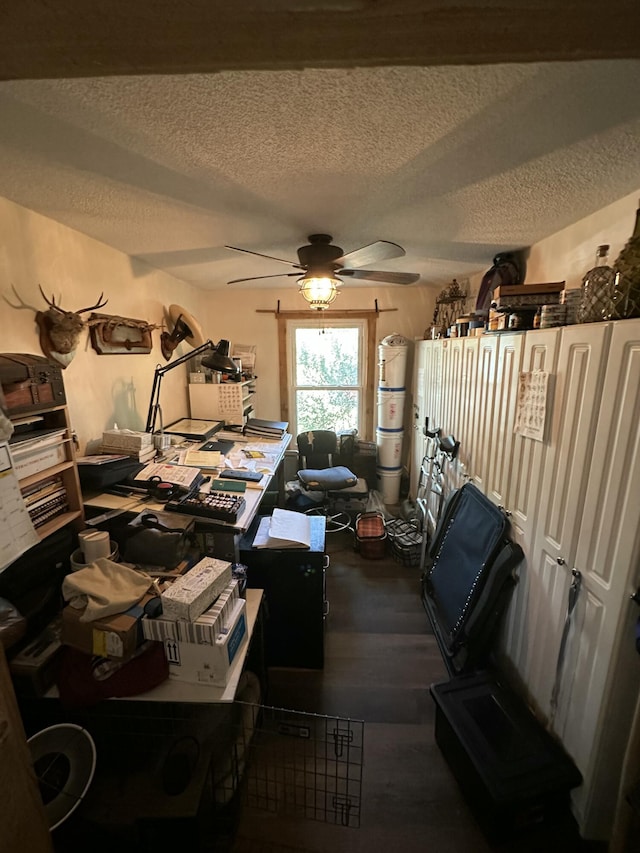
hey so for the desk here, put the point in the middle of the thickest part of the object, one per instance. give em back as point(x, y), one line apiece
point(147, 743)
point(225, 536)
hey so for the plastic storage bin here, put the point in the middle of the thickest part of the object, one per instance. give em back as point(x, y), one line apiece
point(513, 774)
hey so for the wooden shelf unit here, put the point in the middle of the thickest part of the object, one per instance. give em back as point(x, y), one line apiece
point(55, 418)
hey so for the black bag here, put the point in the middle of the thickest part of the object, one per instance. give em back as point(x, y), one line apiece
point(150, 540)
point(469, 577)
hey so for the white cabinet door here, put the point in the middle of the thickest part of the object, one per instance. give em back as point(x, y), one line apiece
point(501, 448)
point(482, 408)
point(576, 402)
point(418, 413)
point(601, 676)
point(451, 380)
point(540, 353)
point(463, 428)
point(433, 395)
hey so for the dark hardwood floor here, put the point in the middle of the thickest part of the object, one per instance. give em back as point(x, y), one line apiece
point(380, 661)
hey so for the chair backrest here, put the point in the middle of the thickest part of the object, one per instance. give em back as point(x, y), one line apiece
point(316, 448)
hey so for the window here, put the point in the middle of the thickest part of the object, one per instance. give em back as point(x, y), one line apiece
point(327, 375)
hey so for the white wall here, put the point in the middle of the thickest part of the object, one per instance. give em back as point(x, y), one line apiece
point(103, 389)
point(570, 253)
point(75, 269)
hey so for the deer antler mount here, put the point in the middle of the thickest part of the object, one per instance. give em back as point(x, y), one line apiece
point(59, 329)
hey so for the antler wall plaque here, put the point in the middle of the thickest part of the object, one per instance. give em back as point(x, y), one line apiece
point(59, 329)
point(112, 335)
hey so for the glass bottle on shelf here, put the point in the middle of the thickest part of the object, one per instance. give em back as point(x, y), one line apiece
point(626, 291)
point(597, 289)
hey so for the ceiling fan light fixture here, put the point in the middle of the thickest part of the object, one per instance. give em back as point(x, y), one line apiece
point(319, 291)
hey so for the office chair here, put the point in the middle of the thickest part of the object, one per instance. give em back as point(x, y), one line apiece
point(326, 483)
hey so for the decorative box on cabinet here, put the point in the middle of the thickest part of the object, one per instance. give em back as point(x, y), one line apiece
point(231, 402)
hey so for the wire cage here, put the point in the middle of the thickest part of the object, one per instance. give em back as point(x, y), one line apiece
point(299, 764)
point(180, 775)
point(405, 540)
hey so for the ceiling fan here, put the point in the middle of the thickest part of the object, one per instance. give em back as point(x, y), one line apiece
point(322, 266)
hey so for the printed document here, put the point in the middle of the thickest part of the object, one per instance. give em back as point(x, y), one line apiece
point(284, 529)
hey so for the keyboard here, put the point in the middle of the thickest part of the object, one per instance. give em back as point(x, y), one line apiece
point(220, 506)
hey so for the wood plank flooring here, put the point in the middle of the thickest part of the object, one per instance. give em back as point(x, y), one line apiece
point(380, 660)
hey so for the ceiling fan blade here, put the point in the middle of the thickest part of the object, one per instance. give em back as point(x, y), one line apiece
point(270, 257)
point(381, 250)
point(381, 276)
point(258, 277)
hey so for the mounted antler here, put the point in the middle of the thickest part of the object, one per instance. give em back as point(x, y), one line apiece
point(59, 329)
point(52, 304)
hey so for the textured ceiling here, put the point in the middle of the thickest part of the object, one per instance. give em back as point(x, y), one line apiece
point(454, 163)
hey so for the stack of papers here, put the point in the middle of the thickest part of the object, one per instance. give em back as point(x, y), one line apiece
point(284, 529)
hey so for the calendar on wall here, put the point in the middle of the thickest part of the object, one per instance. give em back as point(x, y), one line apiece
point(531, 413)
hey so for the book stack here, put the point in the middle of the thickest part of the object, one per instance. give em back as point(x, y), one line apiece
point(45, 500)
point(137, 445)
point(266, 429)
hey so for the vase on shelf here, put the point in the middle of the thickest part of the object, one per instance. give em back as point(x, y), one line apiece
point(626, 291)
point(597, 289)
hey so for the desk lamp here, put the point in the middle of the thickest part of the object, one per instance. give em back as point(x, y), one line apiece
point(218, 360)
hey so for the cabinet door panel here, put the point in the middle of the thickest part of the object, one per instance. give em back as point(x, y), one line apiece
point(418, 414)
point(540, 352)
point(598, 694)
point(483, 410)
point(500, 467)
point(578, 388)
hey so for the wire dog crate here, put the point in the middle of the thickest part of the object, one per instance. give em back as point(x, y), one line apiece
point(296, 763)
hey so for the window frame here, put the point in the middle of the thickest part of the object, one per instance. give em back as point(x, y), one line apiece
point(310, 318)
point(361, 328)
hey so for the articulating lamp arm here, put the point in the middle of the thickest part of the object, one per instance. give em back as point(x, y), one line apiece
point(161, 369)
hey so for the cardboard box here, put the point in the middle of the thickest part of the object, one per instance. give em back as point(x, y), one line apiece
point(34, 458)
point(205, 629)
point(191, 594)
point(204, 664)
point(116, 636)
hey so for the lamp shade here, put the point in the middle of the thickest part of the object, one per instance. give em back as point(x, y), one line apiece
point(218, 359)
point(185, 328)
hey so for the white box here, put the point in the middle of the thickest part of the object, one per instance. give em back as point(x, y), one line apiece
point(205, 629)
point(127, 439)
point(37, 459)
point(198, 663)
point(191, 594)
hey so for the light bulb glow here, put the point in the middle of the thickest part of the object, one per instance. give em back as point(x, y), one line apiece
point(319, 291)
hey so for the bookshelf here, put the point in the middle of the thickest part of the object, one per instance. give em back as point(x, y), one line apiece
point(45, 463)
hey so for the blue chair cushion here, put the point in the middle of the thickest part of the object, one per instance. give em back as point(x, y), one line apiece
point(327, 479)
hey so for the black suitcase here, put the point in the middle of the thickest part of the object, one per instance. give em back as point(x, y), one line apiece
point(468, 578)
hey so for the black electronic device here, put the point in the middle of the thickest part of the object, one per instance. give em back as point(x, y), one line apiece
point(247, 476)
point(219, 506)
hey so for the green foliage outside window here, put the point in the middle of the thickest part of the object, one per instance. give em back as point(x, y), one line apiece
point(327, 370)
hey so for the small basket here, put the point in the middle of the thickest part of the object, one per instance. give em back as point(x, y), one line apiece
point(406, 541)
point(371, 535)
